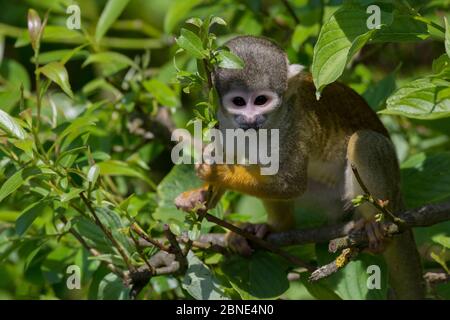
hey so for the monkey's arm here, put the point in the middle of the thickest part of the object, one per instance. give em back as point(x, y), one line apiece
point(248, 179)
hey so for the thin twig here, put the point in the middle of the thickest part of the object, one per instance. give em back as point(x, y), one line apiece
point(108, 233)
point(175, 248)
point(260, 242)
point(291, 11)
point(147, 238)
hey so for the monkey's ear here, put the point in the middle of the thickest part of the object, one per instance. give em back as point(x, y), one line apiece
point(294, 69)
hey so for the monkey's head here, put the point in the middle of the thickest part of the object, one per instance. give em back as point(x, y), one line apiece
point(252, 97)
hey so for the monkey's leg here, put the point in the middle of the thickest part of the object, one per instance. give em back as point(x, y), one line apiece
point(280, 217)
point(375, 159)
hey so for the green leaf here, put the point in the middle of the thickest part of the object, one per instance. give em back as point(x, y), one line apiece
point(56, 72)
point(113, 61)
point(112, 288)
point(93, 234)
point(177, 12)
point(302, 33)
point(319, 290)
point(339, 39)
point(93, 173)
point(440, 258)
point(426, 178)
point(162, 93)
point(28, 215)
point(10, 126)
point(111, 12)
point(351, 282)
point(377, 94)
point(229, 60)
point(404, 28)
point(15, 74)
point(442, 240)
point(34, 28)
point(16, 180)
point(200, 282)
point(58, 55)
point(120, 168)
point(424, 98)
point(181, 178)
point(190, 42)
point(447, 36)
point(262, 276)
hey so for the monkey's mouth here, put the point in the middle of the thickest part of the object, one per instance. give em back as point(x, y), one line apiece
point(246, 127)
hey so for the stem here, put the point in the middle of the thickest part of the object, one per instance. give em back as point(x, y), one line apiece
point(291, 11)
point(374, 201)
point(108, 233)
point(262, 243)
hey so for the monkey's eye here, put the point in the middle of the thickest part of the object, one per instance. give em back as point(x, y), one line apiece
point(260, 100)
point(239, 101)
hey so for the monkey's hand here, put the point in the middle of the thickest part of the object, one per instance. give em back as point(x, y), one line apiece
point(206, 172)
point(192, 200)
point(239, 244)
point(375, 233)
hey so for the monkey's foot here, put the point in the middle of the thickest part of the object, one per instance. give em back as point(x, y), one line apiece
point(192, 200)
point(375, 234)
point(239, 244)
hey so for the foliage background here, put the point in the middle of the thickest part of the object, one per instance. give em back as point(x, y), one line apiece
point(99, 136)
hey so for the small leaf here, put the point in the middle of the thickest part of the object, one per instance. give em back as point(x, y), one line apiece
point(93, 173)
point(217, 20)
point(10, 126)
point(162, 93)
point(200, 282)
point(34, 28)
point(442, 240)
point(190, 42)
point(110, 57)
point(421, 99)
point(441, 260)
point(195, 21)
point(110, 13)
point(120, 168)
point(16, 180)
point(112, 288)
point(229, 60)
point(28, 215)
point(56, 72)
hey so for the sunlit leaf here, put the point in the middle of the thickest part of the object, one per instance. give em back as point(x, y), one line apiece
point(56, 72)
point(447, 36)
point(16, 181)
point(190, 42)
point(10, 126)
point(424, 98)
point(229, 60)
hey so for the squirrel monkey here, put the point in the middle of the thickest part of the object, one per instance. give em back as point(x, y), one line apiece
point(319, 140)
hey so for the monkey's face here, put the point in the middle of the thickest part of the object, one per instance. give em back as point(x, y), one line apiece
point(252, 97)
point(249, 109)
